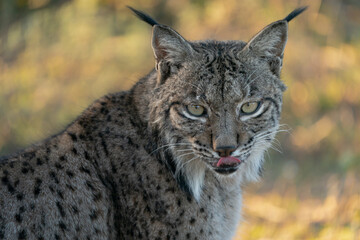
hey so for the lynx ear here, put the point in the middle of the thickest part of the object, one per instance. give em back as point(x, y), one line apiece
point(170, 50)
point(270, 42)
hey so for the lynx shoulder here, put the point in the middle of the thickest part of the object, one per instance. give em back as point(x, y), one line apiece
point(164, 160)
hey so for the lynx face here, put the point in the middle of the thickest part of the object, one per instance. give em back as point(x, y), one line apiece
point(216, 104)
point(223, 109)
point(222, 105)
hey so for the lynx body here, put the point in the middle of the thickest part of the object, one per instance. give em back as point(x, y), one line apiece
point(165, 160)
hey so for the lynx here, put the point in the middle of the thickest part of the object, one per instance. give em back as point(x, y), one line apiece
point(164, 160)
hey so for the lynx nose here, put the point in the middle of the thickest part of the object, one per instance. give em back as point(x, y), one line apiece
point(225, 144)
point(225, 151)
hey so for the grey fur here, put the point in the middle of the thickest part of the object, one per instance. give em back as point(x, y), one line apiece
point(138, 165)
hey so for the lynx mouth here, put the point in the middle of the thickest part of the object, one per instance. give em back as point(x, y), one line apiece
point(227, 165)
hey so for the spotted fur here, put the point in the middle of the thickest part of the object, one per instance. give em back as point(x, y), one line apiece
point(138, 164)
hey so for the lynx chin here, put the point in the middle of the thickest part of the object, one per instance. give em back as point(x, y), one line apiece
point(164, 160)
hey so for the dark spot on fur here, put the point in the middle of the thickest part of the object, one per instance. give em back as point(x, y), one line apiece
point(87, 157)
point(97, 197)
point(75, 209)
point(113, 168)
point(54, 177)
point(18, 218)
point(104, 145)
point(130, 141)
point(74, 151)
point(16, 183)
point(22, 234)
point(70, 173)
point(58, 166)
point(48, 150)
point(62, 226)
point(20, 196)
point(84, 170)
point(24, 170)
point(51, 189)
point(6, 182)
point(11, 164)
point(21, 209)
point(57, 237)
point(147, 208)
point(70, 187)
point(89, 185)
point(37, 190)
point(60, 194)
point(73, 136)
point(39, 162)
point(93, 215)
point(61, 209)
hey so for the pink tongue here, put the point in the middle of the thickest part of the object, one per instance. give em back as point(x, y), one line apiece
point(228, 161)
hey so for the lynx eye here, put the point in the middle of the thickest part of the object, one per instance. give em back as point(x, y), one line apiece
point(196, 110)
point(250, 107)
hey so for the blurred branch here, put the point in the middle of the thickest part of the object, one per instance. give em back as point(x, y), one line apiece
point(12, 11)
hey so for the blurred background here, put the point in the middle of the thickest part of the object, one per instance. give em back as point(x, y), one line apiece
point(57, 56)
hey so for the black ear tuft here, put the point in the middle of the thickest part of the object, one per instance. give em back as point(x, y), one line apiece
point(294, 13)
point(143, 16)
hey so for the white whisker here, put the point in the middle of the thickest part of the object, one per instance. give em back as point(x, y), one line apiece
point(171, 145)
point(184, 150)
point(185, 154)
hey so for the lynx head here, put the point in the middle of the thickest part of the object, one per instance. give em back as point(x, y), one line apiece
point(216, 105)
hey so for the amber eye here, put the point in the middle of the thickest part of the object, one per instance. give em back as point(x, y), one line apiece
point(250, 107)
point(196, 110)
